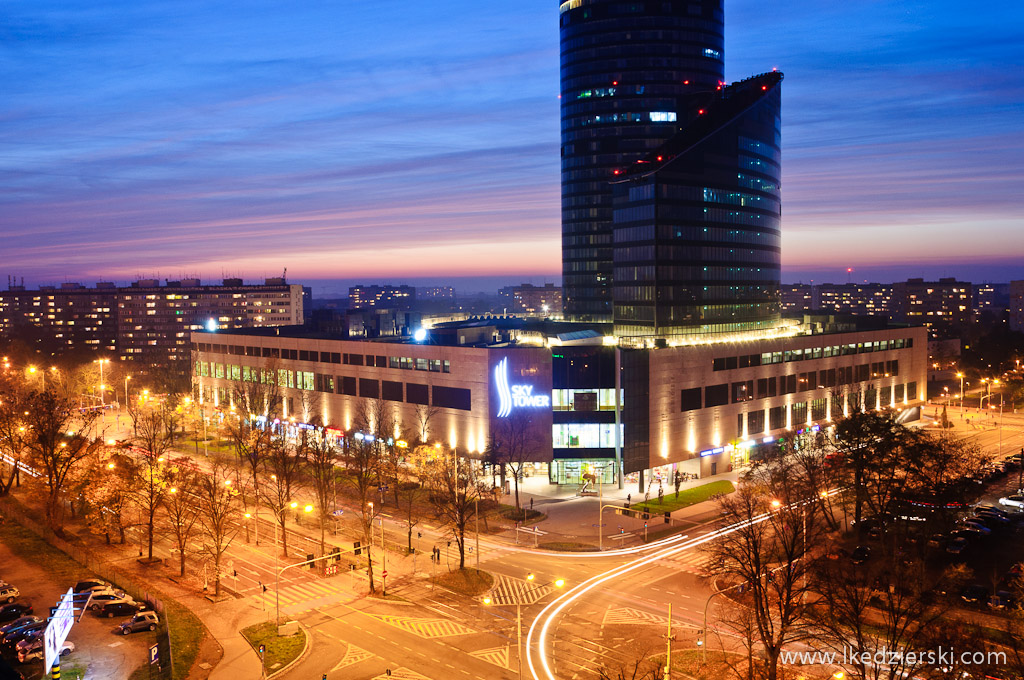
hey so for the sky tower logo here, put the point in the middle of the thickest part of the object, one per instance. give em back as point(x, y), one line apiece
point(515, 396)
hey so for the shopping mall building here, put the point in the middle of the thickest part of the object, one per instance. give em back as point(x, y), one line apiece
point(699, 408)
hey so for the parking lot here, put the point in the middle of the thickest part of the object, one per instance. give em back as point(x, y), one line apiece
point(101, 652)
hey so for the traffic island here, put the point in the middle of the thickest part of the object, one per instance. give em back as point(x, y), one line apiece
point(278, 651)
point(670, 502)
point(470, 582)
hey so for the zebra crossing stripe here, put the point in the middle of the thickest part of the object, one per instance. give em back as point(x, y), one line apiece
point(509, 590)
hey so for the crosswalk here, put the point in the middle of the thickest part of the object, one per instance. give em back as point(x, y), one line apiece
point(692, 561)
point(425, 628)
point(509, 590)
point(299, 598)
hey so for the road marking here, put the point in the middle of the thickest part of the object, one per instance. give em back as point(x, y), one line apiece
point(353, 656)
point(499, 656)
point(401, 674)
point(425, 628)
point(509, 590)
point(115, 644)
point(629, 615)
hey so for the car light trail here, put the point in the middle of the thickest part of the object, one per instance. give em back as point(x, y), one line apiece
point(540, 668)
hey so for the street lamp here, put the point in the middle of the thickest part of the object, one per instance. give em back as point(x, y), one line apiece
point(558, 583)
point(961, 376)
point(102, 386)
point(277, 552)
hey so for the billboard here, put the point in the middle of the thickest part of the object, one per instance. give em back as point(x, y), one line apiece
point(58, 628)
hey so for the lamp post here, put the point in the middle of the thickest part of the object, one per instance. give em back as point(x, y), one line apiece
point(277, 553)
point(558, 583)
point(126, 379)
point(961, 376)
point(102, 386)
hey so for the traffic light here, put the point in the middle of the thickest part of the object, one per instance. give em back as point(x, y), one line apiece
point(358, 549)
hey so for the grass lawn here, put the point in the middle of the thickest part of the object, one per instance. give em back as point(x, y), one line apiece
point(280, 649)
point(686, 497)
point(568, 546)
point(468, 581)
point(525, 515)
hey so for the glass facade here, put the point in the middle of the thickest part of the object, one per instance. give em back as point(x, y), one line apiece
point(697, 225)
point(625, 66)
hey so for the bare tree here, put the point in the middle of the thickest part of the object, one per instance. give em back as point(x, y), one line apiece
point(218, 516)
point(284, 467)
point(14, 425)
point(108, 495)
point(455, 494)
point(766, 552)
point(422, 417)
point(56, 452)
point(182, 503)
point(361, 461)
point(639, 665)
point(154, 427)
point(513, 441)
point(322, 460)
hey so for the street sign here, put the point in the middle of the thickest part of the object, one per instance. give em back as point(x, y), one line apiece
point(154, 654)
point(58, 628)
point(385, 573)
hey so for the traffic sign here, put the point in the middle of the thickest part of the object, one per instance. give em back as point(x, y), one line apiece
point(385, 573)
point(154, 654)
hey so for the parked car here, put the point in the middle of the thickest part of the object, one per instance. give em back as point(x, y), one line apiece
point(860, 554)
point(10, 642)
point(104, 597)
point(91, 584)
point(957, 545)
point(974, 594)
point(1014, 501)
point(14, 610)
point(17, 624)
point(969, 533)
point(112, 609)
point(1003, 599)
point(977, 525)
point(937, 540)
point(992, 519)
point(991, 508)
point(36, 651)
point(9, 593)
point(141, 621)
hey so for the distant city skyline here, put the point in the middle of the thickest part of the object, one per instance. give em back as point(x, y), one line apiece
point(390, 141)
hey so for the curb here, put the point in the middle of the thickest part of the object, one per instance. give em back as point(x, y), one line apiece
point(300, 657)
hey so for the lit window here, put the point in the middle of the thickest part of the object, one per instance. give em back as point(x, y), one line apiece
point(663, 117)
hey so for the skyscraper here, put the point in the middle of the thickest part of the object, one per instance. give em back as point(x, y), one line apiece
point(625, 66)
point(670, 178)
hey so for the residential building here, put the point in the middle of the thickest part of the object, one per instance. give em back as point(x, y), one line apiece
point(943, 302)
point(385, 297)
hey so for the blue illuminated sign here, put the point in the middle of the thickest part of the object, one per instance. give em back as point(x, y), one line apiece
point(515, 396)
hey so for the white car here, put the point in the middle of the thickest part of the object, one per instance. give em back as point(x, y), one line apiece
point(1015, 501)
point(8, 593)
point(35, 651)
point(102, 597)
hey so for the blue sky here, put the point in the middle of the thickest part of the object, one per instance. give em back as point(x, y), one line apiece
point(402, 139)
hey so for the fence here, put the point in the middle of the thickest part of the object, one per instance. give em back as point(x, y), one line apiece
point(106, 571)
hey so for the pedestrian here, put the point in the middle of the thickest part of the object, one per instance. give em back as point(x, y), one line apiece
point(629, 499)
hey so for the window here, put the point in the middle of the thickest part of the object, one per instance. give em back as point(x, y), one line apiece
point(690, 399)
point(799, 414)
point(818, 409)
point(452, 397)
point(422, 365)
point(391, 391)
point(899, 392)
point(348, 385)
point(716, 395)
point(787, 384)
point(369, 388)
point(417, 394)
point(742, 391)
point(765, 388)
point(912, 391)
point(755, 422)
point(777, 417)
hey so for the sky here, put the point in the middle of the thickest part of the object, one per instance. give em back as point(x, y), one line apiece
point(397, 140)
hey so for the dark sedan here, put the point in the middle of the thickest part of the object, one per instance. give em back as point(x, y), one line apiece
point(10, 612)
point(18, 624)
point(112, 609)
